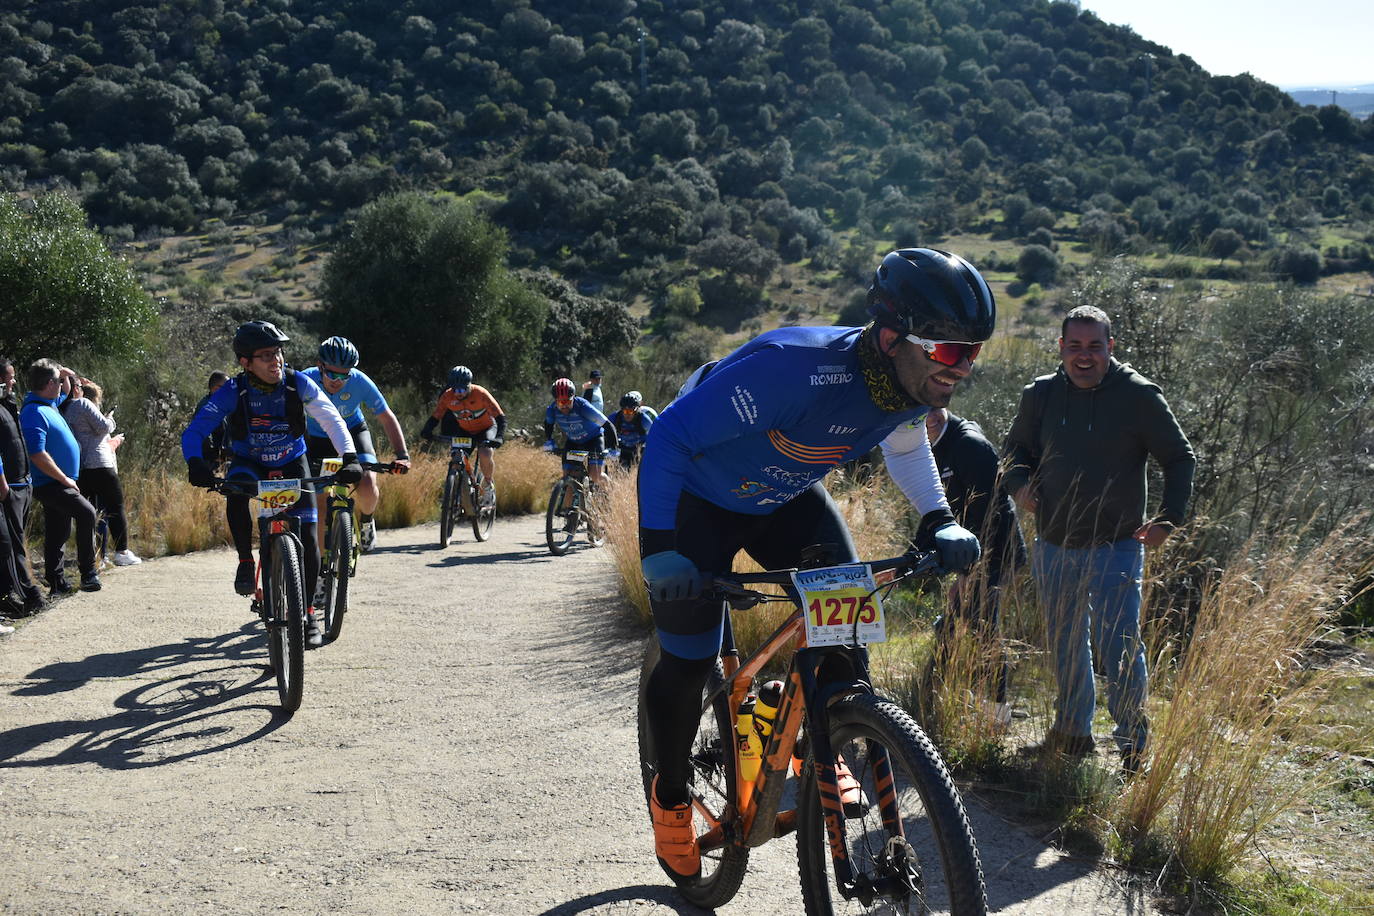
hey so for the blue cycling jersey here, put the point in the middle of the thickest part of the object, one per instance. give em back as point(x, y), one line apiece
point(581, 423)
point(270, 440)
point(358, 391)
point(770, 419)
point(633, 430)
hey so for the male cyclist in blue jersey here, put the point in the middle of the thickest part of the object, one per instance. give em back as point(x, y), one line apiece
point(265, 407)
point(350, 390)
point(632, 422)
point(735, 463)
point(584, 429)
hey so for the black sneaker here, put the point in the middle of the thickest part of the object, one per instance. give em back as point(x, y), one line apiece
point(246, 578)
point(60, 585)
point(33, 604)
point(90, 581)
point(1132, 761)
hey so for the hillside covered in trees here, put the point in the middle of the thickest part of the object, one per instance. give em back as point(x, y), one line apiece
point(628, 142)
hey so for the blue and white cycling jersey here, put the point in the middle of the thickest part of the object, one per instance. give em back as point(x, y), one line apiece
point(358, 391)
point(771, 419)
point(579, 424)
point(270, 439)
point(634, 430)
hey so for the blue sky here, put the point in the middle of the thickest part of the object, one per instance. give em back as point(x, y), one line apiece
point(1291, 44)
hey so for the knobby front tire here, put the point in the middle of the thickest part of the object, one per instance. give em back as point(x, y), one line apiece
point(711, 784)
point(286, 622)
point(931, 866)
point(559, 530)
point(447, 507)
point(337, 574)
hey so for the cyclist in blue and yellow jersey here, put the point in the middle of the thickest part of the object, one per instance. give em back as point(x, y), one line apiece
point(350, 390)
point(584, 429)
point(632, 422)
point(265, 407)
point(736, 462)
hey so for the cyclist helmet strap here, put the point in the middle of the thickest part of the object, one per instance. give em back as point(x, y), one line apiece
point(295, 407)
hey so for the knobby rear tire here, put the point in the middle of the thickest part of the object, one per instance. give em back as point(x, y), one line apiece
point(483, 516)
point(938, 842)
point(336, 583)
point(712, 784)
point(286, 622)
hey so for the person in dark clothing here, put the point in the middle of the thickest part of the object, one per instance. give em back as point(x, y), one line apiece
point(1076, 457)
point(215, 448)
point(969, 470)
point(15, 576)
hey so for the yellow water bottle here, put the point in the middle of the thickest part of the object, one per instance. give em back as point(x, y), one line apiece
point(750, 747)
point(766, 709)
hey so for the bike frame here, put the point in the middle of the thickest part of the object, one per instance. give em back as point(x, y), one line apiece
point(806, 697)
point(460, 459)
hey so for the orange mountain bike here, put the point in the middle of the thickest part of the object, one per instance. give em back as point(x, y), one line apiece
point(880, 825)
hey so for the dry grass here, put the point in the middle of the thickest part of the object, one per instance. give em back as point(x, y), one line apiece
point(1238, 699)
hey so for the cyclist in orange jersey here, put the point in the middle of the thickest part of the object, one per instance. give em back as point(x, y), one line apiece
point(465, 409)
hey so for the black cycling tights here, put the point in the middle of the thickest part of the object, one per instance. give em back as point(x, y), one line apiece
point(239, 515)
point(673, 698)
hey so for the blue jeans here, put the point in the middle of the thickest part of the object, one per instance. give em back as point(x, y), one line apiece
point(1091, 599)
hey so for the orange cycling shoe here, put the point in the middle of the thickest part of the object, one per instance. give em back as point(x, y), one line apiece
point(851, 793)
point(675, 839)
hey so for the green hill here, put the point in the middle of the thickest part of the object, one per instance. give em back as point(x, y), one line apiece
point(637, 143)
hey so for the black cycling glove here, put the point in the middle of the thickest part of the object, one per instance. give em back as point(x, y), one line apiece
point(352, 471)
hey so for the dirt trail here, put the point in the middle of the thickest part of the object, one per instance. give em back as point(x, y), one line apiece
point(467, 746)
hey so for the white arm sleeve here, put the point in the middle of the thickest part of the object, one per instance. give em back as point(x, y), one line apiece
point(325, 414)
point(912, 465)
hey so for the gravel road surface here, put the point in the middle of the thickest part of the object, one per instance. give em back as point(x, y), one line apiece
point(467, 746)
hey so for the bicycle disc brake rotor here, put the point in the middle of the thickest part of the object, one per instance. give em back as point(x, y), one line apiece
point(899, 873)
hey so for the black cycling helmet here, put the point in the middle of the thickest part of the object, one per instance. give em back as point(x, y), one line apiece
point(339, 351)
point(932, 294)
point(459, 377)
point(257, 335)
point(631, 399)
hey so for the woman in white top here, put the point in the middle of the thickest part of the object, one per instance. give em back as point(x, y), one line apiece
point(99, 480)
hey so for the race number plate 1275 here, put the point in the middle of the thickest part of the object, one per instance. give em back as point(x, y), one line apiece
point(841, 605)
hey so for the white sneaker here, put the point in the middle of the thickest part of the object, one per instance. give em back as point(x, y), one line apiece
point(126, 557)
point(489, 495)
point(368, 536)
point(5, 628)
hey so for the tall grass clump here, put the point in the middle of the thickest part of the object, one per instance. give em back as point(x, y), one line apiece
point(1237, 699)
point(412, 498)
point(619, 506)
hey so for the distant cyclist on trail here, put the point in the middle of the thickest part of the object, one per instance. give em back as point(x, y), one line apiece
point(350, 390)
point(465, 409)
point(584, 429)
point(632, 422)
point(736, 462)
point(266, 406)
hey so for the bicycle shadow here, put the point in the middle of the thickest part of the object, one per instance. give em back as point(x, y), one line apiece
point(633, 895)
point(463, 559)
point(170, 720)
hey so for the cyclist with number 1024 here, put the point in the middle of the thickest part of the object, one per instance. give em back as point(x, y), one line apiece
point(265, 407)
point(736, 462)
point(350, 390)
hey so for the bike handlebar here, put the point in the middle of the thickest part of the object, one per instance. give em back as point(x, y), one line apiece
point(390, 467)
point(235, 485)
point(734, 588)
